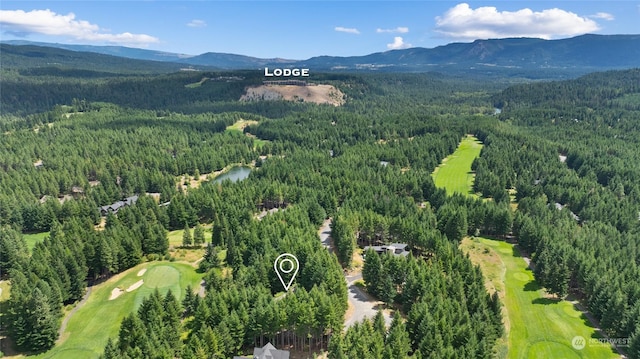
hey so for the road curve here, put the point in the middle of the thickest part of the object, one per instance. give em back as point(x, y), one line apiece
point(363, 304)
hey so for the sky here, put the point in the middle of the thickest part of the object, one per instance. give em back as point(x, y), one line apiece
point(303, 29)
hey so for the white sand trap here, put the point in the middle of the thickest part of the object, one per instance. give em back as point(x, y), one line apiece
point(115, 293)
point(135, 286)
point(141, 272)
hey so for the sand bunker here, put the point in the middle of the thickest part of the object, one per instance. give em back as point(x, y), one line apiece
point(141, 272)
point(135, 286)
point(115, 293)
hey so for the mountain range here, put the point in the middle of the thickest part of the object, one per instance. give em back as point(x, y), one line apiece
point(581, 54)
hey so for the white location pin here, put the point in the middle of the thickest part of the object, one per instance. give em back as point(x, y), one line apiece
point(286, 267)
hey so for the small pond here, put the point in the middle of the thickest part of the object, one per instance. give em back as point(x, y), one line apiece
point(235, 174)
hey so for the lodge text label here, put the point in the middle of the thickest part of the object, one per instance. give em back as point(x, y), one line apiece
point(286, 72)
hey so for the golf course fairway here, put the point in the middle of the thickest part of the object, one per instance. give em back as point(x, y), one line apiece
point(454, 173)
point(99, 318)
point(538, 325)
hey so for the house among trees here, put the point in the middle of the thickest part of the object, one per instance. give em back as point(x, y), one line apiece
point(267, 352)
point(559, 207)
point(115, 207)
point(397, 249)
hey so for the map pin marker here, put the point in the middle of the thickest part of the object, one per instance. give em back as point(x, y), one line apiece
point(286, 267)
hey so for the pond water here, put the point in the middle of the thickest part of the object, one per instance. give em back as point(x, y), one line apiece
point(235, 174)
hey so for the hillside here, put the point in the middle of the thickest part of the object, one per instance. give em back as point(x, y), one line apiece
point(513, 57)
point(23, 57)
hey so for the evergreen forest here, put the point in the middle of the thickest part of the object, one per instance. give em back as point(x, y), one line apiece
point(557, 176)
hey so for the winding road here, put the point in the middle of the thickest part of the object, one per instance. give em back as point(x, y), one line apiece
point(361, 304)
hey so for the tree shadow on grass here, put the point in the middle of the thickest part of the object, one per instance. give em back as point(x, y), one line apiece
point(589, 324)
point(532, 286)
point(546, 301)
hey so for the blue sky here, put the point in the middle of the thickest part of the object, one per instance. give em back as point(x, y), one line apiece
point(302, 29)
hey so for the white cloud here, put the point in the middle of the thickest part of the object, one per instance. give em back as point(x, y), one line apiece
point(603, 15)
point(398, 43)
point(197, 23)
point(349, 30)
point(47, 22)
point(397, 30)
point(463, 22)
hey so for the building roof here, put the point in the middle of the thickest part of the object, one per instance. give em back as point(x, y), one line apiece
point(266, 352)
point(114, 207)
point(397, 249)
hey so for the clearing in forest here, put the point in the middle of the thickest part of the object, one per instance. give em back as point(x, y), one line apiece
point(99, 318)
point(454, 173)
point(320, 94)
point(241, 124)
point(33, 238)
point(538, 326)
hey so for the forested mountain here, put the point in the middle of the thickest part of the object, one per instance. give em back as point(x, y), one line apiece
point(120, 51)
point(584, 53)
point(233, 61)
point(519, 57)
point(73, 63)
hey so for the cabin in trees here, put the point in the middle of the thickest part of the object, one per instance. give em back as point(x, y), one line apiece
point(115, 207)
point(396, 249)
point(267, 352)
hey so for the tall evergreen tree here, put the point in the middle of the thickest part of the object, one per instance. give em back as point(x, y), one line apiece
point(198, 235)
point(42, 322)
point(187, 240)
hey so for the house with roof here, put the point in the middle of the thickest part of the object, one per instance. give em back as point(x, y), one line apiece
point(266, 352)
point(115, 207)
point(396, 249)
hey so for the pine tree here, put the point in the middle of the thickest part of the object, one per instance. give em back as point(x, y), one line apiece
point(634, 346)
point(198, 235)
point(386, 289)
point(496, 313)
point(110, 350)
point(336, 348)
point(398, 339)
point(42, 322)
point(188, 302)
point(371, 271)
point(379, 326)
point(187, 241)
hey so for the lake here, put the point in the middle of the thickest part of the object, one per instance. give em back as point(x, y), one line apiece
point(235, 174)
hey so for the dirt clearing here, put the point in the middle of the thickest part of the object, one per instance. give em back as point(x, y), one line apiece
point(321, 94)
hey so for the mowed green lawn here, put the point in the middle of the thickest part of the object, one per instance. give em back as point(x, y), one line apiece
point(454, 173)
point(540, 326)
point(537, 326)
point(99, 318)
